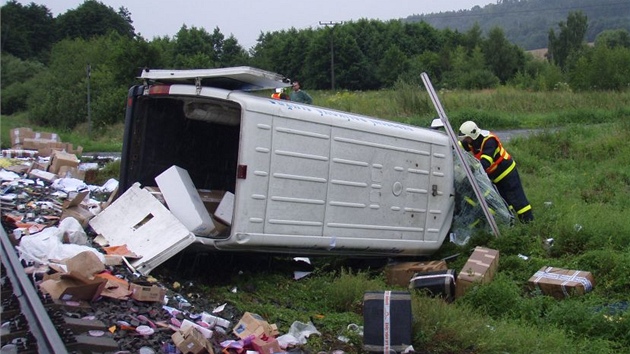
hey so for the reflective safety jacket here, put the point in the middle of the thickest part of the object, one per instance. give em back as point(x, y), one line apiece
point(494, 158)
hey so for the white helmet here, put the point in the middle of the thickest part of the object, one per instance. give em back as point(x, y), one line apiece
point(470, 129)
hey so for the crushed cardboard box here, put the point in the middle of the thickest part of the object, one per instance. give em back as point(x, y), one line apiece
point(401, 273)
point(147, 292)
point(73, 207)
point(561, 283)
point(190, 340)
point(266, 345)
point(75, 280)
point(479, 268)
point(43, 175)
point(254, 324)
point(59, 159)
point(116, 288)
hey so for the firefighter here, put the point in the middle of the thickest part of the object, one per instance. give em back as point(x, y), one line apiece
point(499, 165)
point(279, 94)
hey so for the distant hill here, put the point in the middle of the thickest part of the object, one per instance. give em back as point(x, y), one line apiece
point(527, 22)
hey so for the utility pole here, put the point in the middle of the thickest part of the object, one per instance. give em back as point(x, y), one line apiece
point(332, 50)
point(88, 70)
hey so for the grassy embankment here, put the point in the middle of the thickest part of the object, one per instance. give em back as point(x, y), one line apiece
point(578, 182)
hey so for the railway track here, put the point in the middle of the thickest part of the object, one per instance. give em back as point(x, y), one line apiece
point(33, 323)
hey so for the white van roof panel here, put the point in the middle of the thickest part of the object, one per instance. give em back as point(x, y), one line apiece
point(243, 78)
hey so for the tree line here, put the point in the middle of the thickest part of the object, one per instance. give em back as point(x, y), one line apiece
point(45, 59)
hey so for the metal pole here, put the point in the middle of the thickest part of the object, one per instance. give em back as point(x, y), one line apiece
point(89, 110)
point(332, 59)
point(459, 152)
point(332, 50)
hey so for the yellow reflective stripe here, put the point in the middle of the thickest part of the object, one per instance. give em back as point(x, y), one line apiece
point(505, 173)
point(487, 158)
point(470, 201)
point(474, 224)
point(524, 209)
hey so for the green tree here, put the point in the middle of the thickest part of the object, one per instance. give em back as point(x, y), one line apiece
point(232, 54)
point(614, 38)
point(93, 18)
point(503, 58)
point(469, 71)
point(473, 38)
point(393, 65)
point(28, 32)
point(195, 48)
point(16, 84)
point(569, 41)
point(59, 97)
point(602, 68)
point(428, 62)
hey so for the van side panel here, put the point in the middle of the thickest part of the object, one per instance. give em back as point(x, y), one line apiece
point(377, 186)
point(252, 192)
point(441, 193)
point(309, 179)
point(298, 184)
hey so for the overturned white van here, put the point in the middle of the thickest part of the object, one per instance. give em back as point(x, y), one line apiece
point(305, 179)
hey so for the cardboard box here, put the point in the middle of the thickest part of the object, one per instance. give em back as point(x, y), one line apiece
point(252, 323)
point(267, 345)
point(561, 283)
point(479, 268)
point(225, 209)
point(72, 207)
point(43, 175)
point(190, 340)
point(211, 199)
point(19, 134)
point(220, 229)
point(47, 136)
point(77, 281)
point(149, 293)
point(40, 143)
point(184, 201)
point(387, 321)
point(61, 158)
point(72, 172)
point(401, 273)
point(49, 148)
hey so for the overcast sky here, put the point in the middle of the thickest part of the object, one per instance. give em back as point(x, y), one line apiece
point(246, 19)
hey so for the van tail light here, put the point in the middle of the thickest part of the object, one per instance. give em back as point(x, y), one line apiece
point(159, 89)
point(241, 171)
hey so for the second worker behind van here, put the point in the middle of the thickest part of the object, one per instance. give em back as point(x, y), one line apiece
point(298, 95)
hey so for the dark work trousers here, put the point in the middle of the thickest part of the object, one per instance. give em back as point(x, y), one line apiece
point(511, 190)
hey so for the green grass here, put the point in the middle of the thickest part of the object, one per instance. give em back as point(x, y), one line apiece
point(578, 182)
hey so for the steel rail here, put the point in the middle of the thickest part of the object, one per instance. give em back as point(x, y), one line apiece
point(39, 322)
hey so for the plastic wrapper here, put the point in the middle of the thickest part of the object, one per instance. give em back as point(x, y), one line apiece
point(469, 216)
